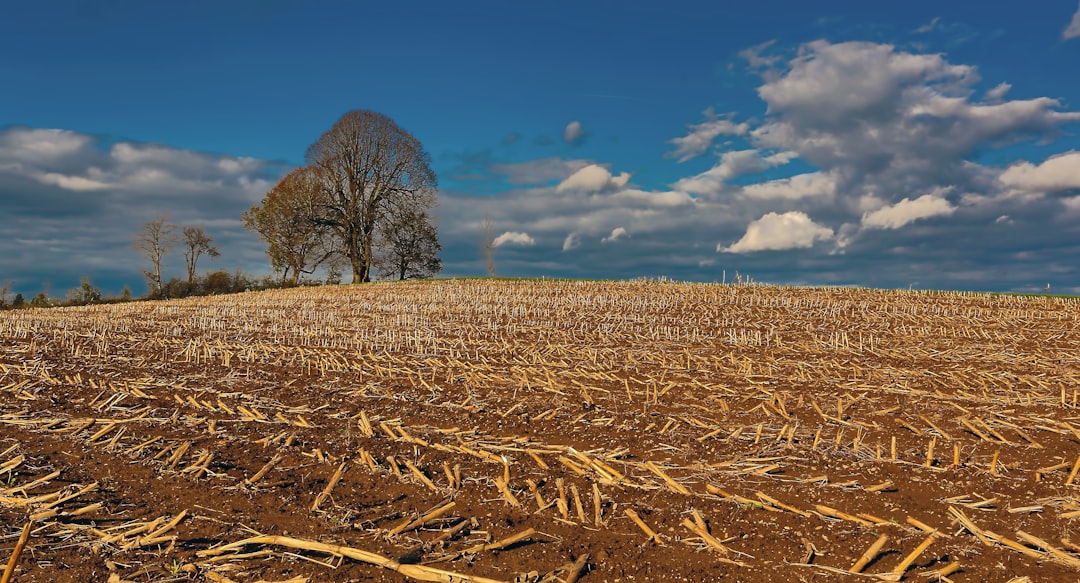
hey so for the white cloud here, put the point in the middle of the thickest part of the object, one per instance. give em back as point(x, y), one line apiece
point(668, 198)
point(998, 93)
point(800, 186)
point(831, 81)
point(514, 238)
point(701, 136)
point(616, 234)
point(593, 178)
point(538, 171)
point(1057, 173)
point(1073, 30)
point(907, 211)
point(76, 183)
point(732, 164)
point(777, 232)
point(571, 242)
point(573, 132)
point(889, 116)
point(928, 27)
point(757, 59)
point(41, 145)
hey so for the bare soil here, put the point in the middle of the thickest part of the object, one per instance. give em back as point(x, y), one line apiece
point(520, 431)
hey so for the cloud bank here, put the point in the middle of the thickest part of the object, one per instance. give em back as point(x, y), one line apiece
point(863, 154)
point(75, 201)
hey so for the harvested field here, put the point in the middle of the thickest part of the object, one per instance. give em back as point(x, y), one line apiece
point(543, 431)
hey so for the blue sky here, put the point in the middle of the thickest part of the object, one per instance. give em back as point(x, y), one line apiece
point(928, 144)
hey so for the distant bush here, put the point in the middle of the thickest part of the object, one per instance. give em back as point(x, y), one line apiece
point(43, 300)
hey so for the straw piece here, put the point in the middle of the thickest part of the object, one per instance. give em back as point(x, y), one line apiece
point(420, 475)
point(418, 522)
point(265, 469)
point(329, 487)
point(906, 563)
point(641, 524)
point(870, 554)
point(9, 570)
point(1057, 554)
point(418, 572)
point(1072, 474)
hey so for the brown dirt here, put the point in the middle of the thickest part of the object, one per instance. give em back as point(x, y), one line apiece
point(794, 424)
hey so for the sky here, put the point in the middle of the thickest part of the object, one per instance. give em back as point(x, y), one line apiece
point(926, 145)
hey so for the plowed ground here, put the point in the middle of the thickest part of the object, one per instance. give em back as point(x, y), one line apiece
point(543, 431)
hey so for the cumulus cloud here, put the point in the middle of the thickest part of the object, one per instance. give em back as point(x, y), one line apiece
point(571, 242)
point(1058, 173)
point(573, 132)
point(777, 232)
point(41, 145)
point(908, 211)
point(514, 238)
point(809, 185)
point(1073, 30)
point(891, 121)
point(732, 164)
point(616, 234)
point(593, 178)
point(701, 136)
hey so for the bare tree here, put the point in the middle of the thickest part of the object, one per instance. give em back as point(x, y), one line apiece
point(409, 246)
point(367, 167)
point(288, 220)
point(154, 241)
point(487, 243)
point(196, 244)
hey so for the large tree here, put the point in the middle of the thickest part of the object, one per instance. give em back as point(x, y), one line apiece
point(368, 168)
point(156, 238)
point(288, 219)
point(196, 244)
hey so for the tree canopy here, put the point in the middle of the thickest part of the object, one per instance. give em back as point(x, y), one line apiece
point(365, 196)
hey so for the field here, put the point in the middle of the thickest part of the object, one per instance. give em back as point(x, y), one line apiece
point(477, 431)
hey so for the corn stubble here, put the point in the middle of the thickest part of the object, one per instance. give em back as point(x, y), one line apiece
point(544, 431)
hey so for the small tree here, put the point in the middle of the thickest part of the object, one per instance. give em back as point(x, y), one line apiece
point(487, 243)
point(196, 244)
point(18, 302)
point(154, 241)
point(4, 287)
point(42, 300)
point(88, 292)
point(287, 219)
point(409, 246)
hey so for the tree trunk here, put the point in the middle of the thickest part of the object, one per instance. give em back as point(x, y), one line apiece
point(357, 267)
